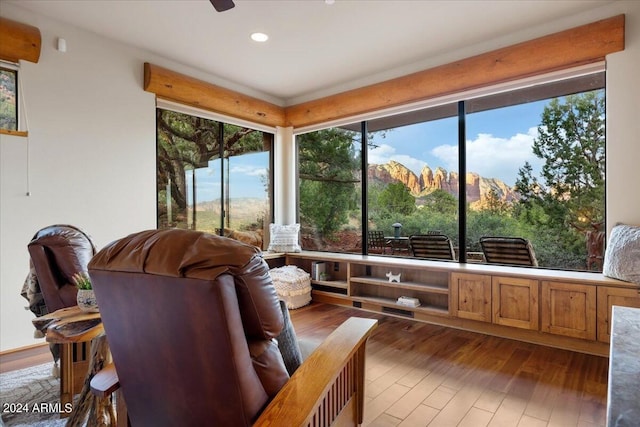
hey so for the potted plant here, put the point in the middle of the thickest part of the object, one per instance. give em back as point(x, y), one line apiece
point(86, 298)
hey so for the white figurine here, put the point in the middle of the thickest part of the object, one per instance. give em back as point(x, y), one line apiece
point(393, 277)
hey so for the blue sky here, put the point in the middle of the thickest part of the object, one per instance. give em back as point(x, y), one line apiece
point(498, 143)
point(246, 178)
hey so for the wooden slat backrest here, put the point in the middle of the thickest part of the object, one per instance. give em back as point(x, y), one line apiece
point(437, 246)
point(376, 240)
point(508, 250)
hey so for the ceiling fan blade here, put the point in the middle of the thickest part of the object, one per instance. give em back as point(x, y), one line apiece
point(222, 5)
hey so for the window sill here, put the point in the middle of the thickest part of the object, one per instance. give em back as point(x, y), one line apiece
point(23, 133)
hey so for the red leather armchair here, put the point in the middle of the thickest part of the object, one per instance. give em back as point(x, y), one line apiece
point(192, 318)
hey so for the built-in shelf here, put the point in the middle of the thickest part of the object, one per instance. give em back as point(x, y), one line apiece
point(339, 284)
point(420, 287)
point(385, 302)
point(364, 283)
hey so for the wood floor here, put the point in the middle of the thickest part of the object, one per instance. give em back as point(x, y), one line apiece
point(424, 375)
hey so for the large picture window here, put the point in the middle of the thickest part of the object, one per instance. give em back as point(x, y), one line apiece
point(524, 164)
point(213, 176)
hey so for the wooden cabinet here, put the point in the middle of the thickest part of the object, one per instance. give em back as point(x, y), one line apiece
point(568, 309)
point(471, 296)
point(515, 302)
point(565, 309)
point(607, 298)
point(507, 301)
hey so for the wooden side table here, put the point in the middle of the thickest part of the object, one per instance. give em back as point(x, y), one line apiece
point(66, 327)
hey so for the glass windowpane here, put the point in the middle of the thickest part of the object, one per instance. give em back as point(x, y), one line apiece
point(539, 157)
point(330, 190)
point(200, 189)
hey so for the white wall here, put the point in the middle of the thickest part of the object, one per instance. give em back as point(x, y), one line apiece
point(92, 155)
point(623, 124)
point(92, 146)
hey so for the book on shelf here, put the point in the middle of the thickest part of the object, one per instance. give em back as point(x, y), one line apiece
point(318, 270)
point(409, 301)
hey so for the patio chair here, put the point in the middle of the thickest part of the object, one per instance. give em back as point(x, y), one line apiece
point(508, 251)
point(433, 246)
point(376, 242)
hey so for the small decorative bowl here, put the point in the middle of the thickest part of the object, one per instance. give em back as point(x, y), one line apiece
point(87, 300)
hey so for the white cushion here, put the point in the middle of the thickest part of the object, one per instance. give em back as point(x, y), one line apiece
point(284, 238)
point(622, 256)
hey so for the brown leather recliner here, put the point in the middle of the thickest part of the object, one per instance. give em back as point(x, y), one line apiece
point(165, 290)
point(191, 319)
point(57, 253)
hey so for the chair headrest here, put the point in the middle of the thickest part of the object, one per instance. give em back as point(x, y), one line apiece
point(176, 253)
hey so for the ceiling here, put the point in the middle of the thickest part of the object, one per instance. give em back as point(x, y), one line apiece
point(314, 48)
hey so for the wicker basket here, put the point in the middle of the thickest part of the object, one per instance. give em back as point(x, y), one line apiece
point(293, 285)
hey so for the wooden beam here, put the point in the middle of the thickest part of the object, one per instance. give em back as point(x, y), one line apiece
point(19, 41)
point(173, 86)
point(577, 46)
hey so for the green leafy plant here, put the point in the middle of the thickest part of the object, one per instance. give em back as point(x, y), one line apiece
point(82, 281)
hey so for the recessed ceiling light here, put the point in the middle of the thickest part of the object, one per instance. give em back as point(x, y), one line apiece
point(259, 37)
point(329, 1)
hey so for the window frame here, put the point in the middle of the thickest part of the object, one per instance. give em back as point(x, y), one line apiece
point(5, 67)
point(461, 99)
point(222, 120)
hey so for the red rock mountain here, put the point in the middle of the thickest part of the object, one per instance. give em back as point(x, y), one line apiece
point(429, 180)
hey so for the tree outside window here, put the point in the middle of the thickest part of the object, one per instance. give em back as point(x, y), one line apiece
point(8, 99)
point(213, 177)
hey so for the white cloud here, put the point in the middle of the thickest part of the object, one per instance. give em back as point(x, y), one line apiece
point(384, 153)
point(493, 157)
point(412, 163)
point(448, 156)
point(380, 154)
point(248, 170)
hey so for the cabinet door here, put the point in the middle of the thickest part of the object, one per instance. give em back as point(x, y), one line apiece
point(607, 298)
point(471, 296)
point(515, 302)
point(569, 309)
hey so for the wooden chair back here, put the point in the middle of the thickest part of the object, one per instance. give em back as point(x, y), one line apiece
point(508, 251)
point(376, 242)
point(434, 246)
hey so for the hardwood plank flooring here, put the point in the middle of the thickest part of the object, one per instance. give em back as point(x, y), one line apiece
point(419, 374)
point(25, 358)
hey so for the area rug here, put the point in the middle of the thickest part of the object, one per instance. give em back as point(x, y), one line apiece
point(30, 397)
